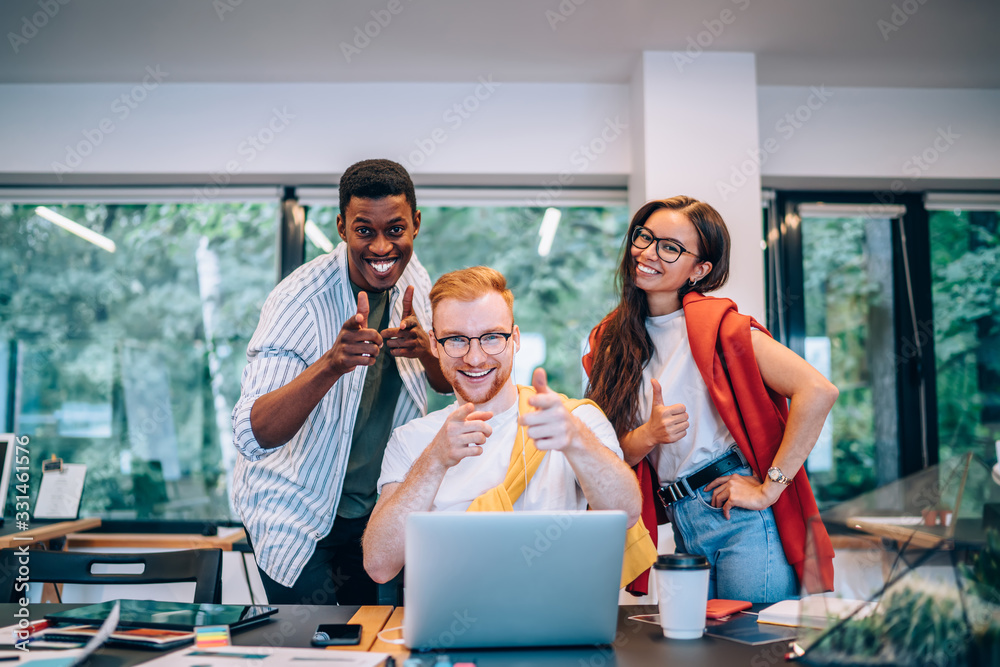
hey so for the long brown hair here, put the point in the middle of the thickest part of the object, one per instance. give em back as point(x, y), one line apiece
point(625, 347)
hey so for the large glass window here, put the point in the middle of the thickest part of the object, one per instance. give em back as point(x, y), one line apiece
point(847, 276)
point(123, 348)
point(123, 351)
point(900, 307)
point(559, 262)
point(965, 257)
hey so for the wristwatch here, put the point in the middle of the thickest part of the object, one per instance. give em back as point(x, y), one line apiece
point(775, 475)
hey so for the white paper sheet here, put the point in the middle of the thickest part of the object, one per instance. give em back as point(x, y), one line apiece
point(267, 656)
point(60, 492)
point(70, 657)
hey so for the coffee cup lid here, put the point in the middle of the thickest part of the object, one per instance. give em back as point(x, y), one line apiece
point(681, 562)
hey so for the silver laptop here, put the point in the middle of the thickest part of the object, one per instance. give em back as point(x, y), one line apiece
point(500, 579)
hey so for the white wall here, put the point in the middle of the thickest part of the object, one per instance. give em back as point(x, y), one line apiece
point(880, 133)
point(519, 129)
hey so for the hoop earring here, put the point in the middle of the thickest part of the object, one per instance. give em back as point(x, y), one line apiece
point(692, 282)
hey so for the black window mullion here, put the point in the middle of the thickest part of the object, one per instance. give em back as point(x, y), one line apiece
point(916, 384)
point(291, 235)
point(784, 253)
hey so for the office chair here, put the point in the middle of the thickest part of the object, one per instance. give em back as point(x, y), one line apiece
point(202, 566)
point(391, 592)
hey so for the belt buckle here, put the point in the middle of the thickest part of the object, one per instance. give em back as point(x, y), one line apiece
point(676, 491)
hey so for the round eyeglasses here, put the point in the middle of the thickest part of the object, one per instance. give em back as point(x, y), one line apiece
point(459, 346)
point(668, 250)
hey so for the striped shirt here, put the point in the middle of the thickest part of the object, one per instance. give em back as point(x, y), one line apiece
point(287, 496)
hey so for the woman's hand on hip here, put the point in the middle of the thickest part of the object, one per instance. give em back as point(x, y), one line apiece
point(749, 493)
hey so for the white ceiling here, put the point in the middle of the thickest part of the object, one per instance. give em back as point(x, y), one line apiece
point(941, 43)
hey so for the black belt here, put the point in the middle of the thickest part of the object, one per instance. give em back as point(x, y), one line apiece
point(686, 486)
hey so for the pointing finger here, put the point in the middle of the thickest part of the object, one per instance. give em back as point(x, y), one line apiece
point(461, 412)
point(408, 302)
point(363, 309)
point(540, 381)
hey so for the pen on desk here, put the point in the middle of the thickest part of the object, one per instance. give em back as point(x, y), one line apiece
point(32, 629)
point(29, 632)
point(38, 625)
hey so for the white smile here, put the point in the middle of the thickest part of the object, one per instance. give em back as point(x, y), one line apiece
point(476, 374)
point(645, 269)
point(383, 266)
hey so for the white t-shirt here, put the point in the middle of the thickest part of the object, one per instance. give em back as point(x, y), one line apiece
point(673, 365)
point(553, 487)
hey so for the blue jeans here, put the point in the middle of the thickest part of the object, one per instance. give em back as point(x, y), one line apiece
point(748, 562)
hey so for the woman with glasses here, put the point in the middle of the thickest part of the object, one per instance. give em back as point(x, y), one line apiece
point(697, 394)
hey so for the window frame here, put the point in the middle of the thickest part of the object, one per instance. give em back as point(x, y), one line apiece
point(916, 389)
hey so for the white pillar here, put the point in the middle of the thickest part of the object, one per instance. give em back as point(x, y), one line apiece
point(695, 132)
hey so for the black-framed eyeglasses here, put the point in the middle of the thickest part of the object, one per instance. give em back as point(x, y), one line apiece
point(459, 346)
point(668, 250)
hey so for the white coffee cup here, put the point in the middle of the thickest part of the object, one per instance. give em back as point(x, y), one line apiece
point(682, 585)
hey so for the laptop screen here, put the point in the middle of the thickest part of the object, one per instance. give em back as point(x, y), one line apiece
point(8, 446)
point(501, 579)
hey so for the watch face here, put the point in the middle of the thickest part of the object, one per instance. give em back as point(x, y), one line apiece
point(773, 474)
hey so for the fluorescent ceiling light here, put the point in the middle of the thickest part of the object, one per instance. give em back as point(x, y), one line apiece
point(317, 237)
point(867, 211)
point(961, 201)
point(84, 233)
point(550, 222)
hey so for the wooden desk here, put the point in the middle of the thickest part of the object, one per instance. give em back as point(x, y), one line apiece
point(47, 532)
point(636, 645)
point(78, 540)
point(915, 536)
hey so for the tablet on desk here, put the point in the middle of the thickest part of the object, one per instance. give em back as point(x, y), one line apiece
point(167, 615)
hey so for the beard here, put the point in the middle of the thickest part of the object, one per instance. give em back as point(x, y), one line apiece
point(482, 394)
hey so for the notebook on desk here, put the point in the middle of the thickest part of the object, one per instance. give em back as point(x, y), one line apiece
point(503, 579)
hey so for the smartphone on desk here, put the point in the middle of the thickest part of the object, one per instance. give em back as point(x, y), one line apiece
point(337, 634)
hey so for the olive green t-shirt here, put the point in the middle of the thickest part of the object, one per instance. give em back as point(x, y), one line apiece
point(373, 424)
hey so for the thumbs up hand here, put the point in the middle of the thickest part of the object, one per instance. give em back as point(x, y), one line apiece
point(550, 424)
point(408, 339)
point(356, 345)
point(667, 423)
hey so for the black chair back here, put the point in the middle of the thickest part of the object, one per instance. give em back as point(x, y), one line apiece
point(202, 566)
